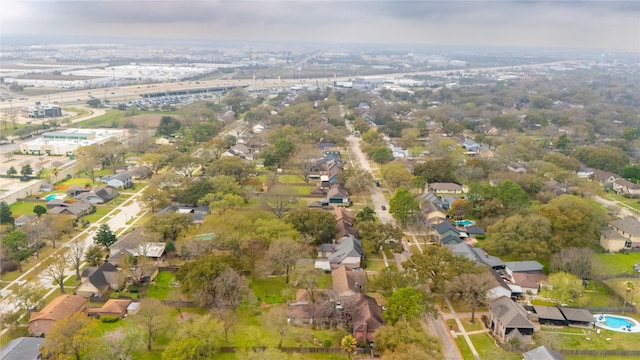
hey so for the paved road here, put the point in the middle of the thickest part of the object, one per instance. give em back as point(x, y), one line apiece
point(117, 221)
point(436, 326)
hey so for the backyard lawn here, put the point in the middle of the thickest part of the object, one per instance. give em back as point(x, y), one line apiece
point(24, 207)
point(487, 349)
point(617, 263)
point(619, 286)
point(272, 290)
point(573, 338)
point(162, 287)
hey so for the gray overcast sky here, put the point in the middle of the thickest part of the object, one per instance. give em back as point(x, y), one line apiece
point(571, 24)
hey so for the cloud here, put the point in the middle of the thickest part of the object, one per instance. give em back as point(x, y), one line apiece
point(599, 24)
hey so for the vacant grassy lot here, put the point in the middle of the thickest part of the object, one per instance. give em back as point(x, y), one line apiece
point(272, 290)
point(617, 263)
point(112, 118)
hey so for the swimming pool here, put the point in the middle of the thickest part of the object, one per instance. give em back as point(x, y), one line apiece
point(53, 197)
point(617, 323)
point(464, 222)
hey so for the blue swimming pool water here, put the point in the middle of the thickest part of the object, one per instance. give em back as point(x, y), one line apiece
point(464, 222)
point(616, 322)
point(50, 197)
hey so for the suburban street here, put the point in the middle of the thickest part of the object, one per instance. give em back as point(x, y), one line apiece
point(436, 326)
point(117, 221)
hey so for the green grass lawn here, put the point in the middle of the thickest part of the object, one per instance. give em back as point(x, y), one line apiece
point(100, 212)
point(24, 207)
point(464, 348)
point(284, 179)
point(469, 326)
point(272, 290)
point(77, 181)
point(161, 289)
point(110, 118)
point(619, 286)
point(487, 349)
point(617, 263)
point(617, 340)
point(304, 190)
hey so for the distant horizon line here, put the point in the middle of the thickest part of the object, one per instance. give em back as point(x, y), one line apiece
point(33, 40)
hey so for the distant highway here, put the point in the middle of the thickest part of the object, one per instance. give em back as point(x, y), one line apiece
point(131, 92)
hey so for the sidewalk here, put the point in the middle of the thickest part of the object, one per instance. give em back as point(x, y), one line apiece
point(462, 331)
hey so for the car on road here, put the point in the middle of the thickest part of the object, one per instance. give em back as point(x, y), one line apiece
point(383, 207)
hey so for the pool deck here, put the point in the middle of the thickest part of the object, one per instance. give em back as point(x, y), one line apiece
point(601, 324)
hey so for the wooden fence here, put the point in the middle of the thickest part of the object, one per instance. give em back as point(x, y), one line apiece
point(577, 352)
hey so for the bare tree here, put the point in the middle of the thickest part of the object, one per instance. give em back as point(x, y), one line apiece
point(283, 254)
point(55, 268)
point(305, 160)
point(471, 288)
point(75, 256)
point(278, 319)
point(307, 277)
point(577, 261)
point(360, 181)
point(121, 343)
point(152, 318)
point(279, 199)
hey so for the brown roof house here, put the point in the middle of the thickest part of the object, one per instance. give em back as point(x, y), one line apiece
point(344, 222)
point(363, 316)
point(58, 309)
point(113, 307)
point(445, 188)
point(620, 235)
point(508, 320)
point(347, 282)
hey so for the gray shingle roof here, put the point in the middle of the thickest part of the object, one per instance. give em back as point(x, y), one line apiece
point(511, 315)
point(542, 353)
point(347, 246)
point(548, 312)
point(629, 226)
point(524, 266)
point(22, 348)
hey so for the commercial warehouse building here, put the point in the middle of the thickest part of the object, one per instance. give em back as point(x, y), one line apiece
point(65, 142)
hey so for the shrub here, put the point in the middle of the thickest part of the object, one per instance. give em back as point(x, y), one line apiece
point(133, 289)
point(109, 319)
point(326, 343)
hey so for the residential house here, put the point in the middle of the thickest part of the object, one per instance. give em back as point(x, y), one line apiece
point(348, 251)
point(74, 191)
point(99, 281)
point(621, 235)
point(549, 315)
point(474, 231)
point(470, 146)
point(604, 178)
point(139, 242)
point(113, 308)
point(530, 283)
point(197, 213)
point(99, 195)
point(347, 282)
point(508, 320)
point(77, 209)
point(578, 317)
point(345, 221)
point(626, 188)
point(523, 267)
point(542, 353)
point(122, 180)
point(480, 256)
point(363, 316)
point(25, 220)
point(433, 213)
point(554, 187)
point(445, 229)
point(499, 287)
point(60, 308)
point(141, 173)
point(163, 141)
point(54, 203)
point(337, 194)
point(22, 348)
point(445, 188)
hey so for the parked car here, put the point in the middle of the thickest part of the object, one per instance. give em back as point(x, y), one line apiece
point(383, 207)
